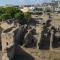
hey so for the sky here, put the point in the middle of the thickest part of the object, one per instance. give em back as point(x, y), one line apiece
point(21, 2)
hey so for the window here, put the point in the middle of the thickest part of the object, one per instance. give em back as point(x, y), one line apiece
point(6, 43)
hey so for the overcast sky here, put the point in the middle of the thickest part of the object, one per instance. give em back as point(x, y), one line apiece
point(21, 2)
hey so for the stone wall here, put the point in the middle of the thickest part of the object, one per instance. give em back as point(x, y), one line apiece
point(7, 45)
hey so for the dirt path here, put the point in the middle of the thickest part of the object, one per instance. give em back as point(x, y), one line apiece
point(43, 54)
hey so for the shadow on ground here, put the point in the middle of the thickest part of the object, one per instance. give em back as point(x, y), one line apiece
point(22, 55)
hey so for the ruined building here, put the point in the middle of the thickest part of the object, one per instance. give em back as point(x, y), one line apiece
point(7, 43)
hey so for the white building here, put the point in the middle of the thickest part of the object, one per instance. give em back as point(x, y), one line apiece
point(56, 5)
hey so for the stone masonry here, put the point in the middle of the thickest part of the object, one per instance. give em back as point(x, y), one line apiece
point(7, 41)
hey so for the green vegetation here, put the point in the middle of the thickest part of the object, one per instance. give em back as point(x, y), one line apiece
point(2, 10)
point(13, 13)
point(5, 17)
point(27, 16)
point(20, 17)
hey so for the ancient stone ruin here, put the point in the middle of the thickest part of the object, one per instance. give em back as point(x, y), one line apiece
point(27, 37)
point(7, 43)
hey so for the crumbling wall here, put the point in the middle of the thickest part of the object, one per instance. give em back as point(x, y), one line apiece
point(7, 45)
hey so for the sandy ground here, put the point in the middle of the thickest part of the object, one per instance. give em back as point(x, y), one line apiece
point(42, 54)
point(36, 54)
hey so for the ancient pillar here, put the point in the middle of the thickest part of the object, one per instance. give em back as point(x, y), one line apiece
point(51, 40)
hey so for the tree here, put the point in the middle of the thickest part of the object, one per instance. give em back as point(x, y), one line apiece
point(2, 10)
point(5, 17)
point(20, 17)
point(12, 11)
point(27, 16)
